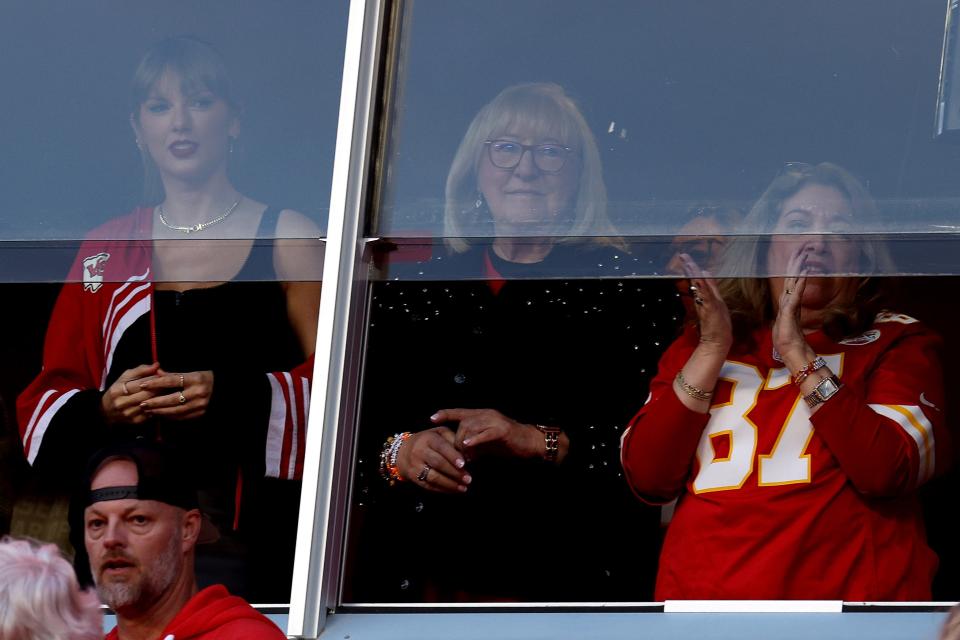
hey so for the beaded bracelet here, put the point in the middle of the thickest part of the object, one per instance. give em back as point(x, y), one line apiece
point(694, 392)
point(389, 455)
point(807, 369)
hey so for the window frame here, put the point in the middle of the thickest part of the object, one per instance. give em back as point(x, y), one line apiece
point(369, 70)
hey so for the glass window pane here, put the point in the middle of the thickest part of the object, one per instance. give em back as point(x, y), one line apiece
point(551, 195)
point(166, 179)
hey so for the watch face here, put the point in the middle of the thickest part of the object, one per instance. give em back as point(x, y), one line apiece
point(827, 387)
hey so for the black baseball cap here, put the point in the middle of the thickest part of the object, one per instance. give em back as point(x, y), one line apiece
point(160, 475)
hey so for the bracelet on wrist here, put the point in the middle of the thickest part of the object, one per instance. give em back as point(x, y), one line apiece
point(388, 458)
point(694, 392)
point(551, 436)
point(804, 371)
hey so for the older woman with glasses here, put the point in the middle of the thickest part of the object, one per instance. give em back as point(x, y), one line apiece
point(498, 394)
point(797, 420)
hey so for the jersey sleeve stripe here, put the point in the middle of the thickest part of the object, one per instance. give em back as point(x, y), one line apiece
point(110, 326)
point(28, 432)
point(290, 440)
point(304, 414)
point(911, 419)
point(111, 309)
point(131, 316)
point(34, 439)
point(275, 429)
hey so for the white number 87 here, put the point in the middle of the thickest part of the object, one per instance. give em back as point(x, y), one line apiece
point(785, 464)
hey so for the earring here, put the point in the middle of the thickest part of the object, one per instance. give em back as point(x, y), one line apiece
point(478, 203)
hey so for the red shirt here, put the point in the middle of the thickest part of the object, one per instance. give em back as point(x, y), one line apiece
point(214, 614)
point(776, 504)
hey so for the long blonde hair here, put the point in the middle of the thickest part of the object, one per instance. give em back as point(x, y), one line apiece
point(544, 109)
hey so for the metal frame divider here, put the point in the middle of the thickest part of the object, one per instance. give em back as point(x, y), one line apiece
point(316, 566)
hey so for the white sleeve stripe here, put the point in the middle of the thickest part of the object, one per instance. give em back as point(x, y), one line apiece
point(306, 408)
point(36, 413)
point(294, 419)
point(137, 310)
point(113, 298)
point(109, 329)
point(44, 422)
point(911, 419)
point(278, 413)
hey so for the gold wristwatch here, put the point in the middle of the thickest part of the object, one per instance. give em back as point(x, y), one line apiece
point(824, 390)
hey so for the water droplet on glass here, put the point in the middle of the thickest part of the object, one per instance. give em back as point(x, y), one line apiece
point(459, 378)
point(419, 507)
point(404, 584)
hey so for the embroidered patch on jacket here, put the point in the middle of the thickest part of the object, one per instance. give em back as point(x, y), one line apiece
point(865, 338)
point(93, 268)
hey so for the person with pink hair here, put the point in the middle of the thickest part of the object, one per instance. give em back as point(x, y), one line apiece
point(40, 598)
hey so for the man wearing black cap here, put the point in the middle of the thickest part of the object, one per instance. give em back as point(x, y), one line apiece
point(141, 523)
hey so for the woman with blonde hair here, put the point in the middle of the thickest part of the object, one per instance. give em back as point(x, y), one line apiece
point(193, 320)
point(567, 167)
point(499, 385)
point(796, 421)
point(40, 598)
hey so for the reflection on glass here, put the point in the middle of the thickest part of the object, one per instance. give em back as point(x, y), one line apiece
point(157, 336)
point(796, 420)
point(703, 237)
point(489, 459)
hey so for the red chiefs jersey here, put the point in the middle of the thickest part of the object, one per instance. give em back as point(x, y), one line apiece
point(776, 503)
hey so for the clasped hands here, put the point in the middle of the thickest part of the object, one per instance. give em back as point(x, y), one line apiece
point(436, 458)
point(149, 391)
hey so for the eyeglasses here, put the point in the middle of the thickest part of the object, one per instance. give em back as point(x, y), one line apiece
point(806, 169)
point(548, 158)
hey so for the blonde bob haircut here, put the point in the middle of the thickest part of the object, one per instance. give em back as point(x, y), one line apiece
point(544, 110)
point(40, 598)
point(747, 291)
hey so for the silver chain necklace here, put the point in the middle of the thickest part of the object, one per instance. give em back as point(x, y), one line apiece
point(200, 226)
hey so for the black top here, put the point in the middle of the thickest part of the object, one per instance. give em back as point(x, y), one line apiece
point(240, 331)
point(577, 354)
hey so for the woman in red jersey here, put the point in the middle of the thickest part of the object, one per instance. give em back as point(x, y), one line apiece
point(796, 420)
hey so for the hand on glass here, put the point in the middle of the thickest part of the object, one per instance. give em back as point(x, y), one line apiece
point(177, 396)
point(429, 459)
point(716, 330)
point(121, 402)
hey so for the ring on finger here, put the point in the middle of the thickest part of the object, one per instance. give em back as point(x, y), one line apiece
point(181, 381)
point(422, 476)
point(125, 391)
point(182, 398)
point(698, 300)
